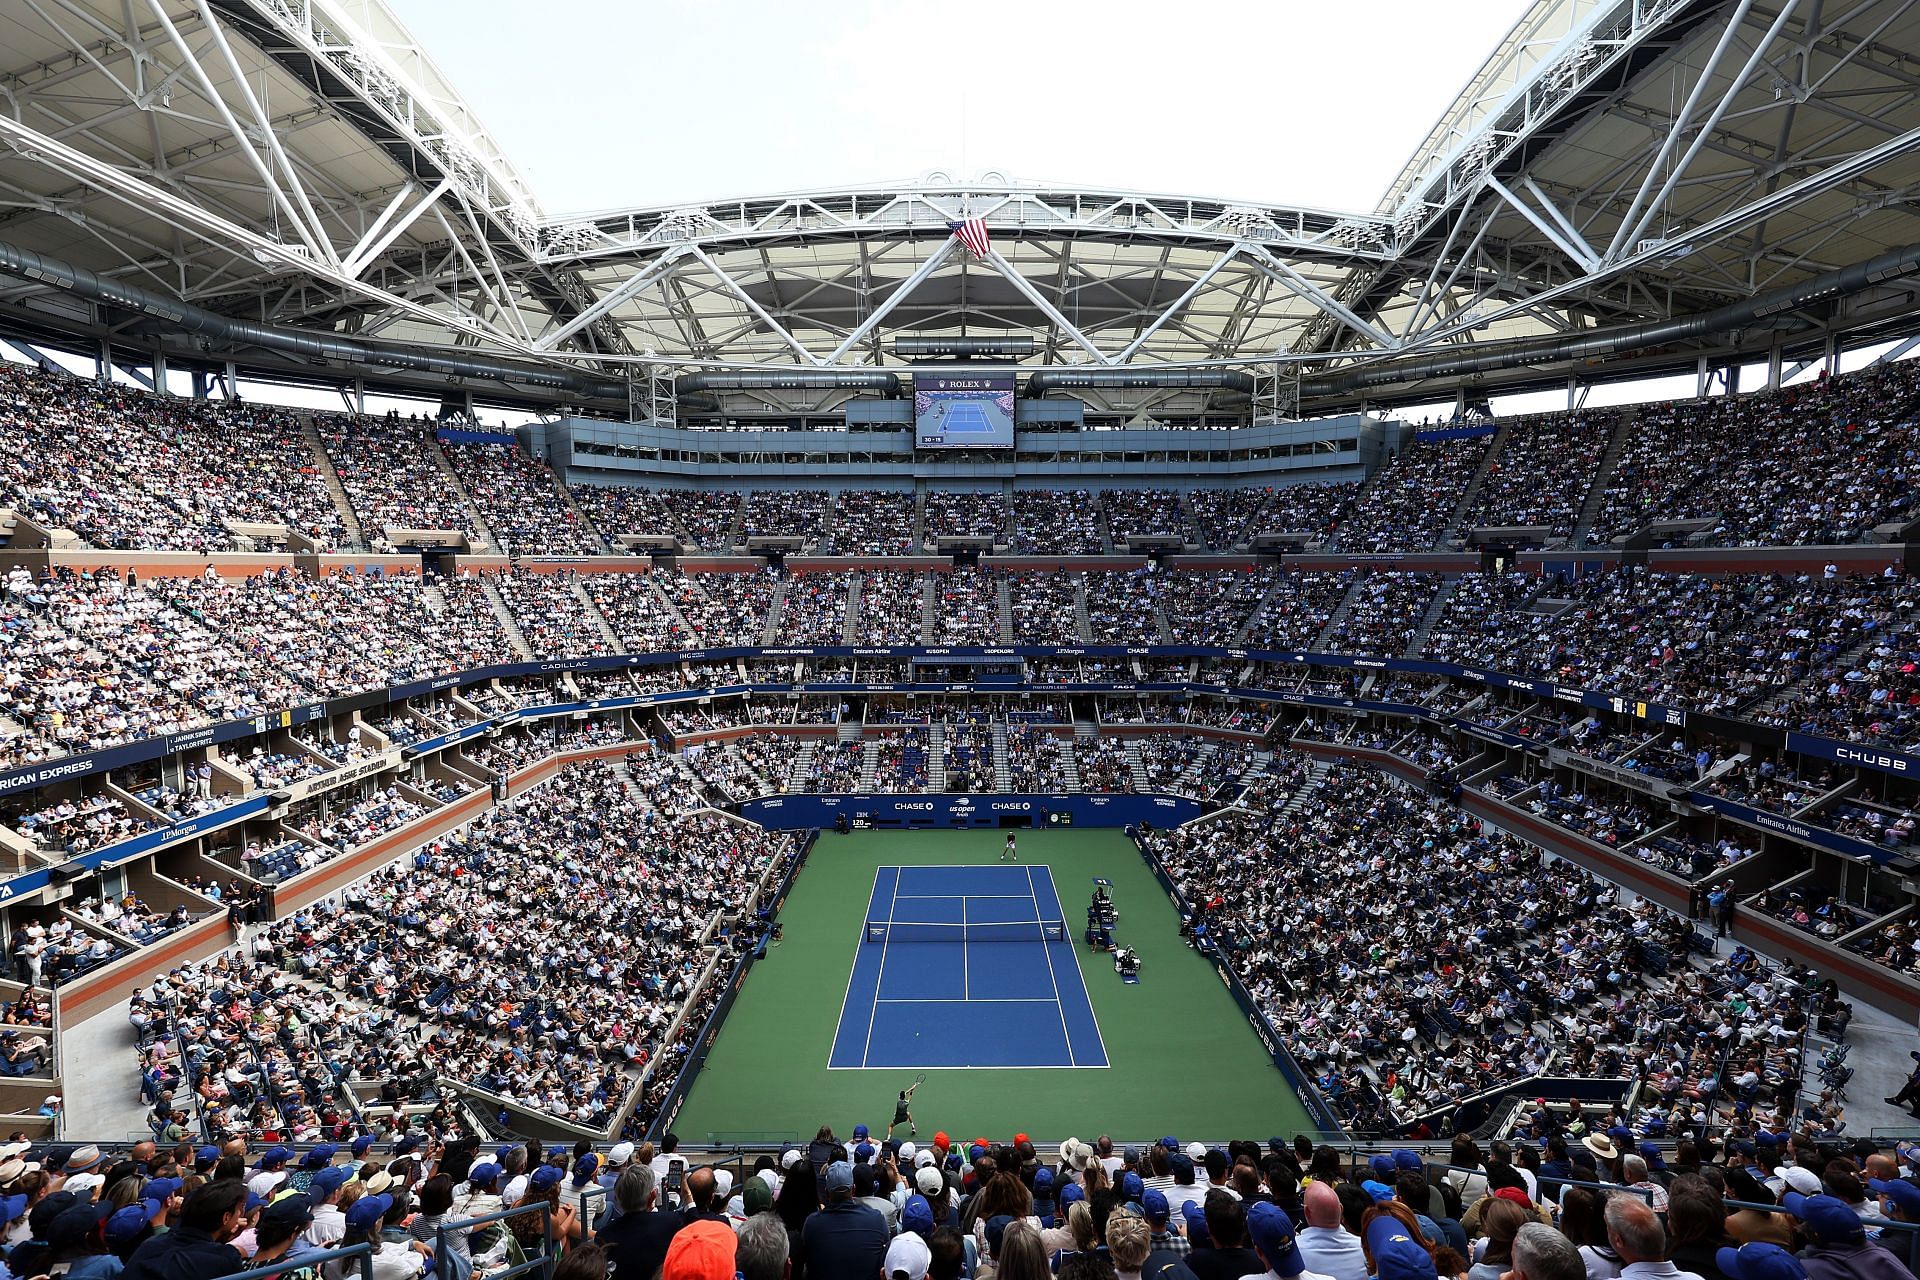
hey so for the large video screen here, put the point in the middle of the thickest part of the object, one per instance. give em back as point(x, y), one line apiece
point(963, 413)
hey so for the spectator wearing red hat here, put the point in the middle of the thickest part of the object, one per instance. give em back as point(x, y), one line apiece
point(703, 1250)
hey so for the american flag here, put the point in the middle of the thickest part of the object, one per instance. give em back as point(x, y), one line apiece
point(973, 234)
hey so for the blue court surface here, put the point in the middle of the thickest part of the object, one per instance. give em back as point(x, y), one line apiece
point(967, 416)
point(965, 966)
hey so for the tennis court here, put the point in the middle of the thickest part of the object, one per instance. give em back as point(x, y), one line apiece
point(965, 416)
point(965, 966)
point(768, 1074)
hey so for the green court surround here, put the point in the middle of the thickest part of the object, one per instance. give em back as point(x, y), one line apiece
point(1184, 1060)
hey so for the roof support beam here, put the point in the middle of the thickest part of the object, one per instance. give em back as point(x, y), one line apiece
point(1178, 304)
point(383, 233)
point(1636, 221)
point(632, 287)
point(1045, 305)
point(894, 299)
point(1287, 278)
point(309, 234)
point(746, 299)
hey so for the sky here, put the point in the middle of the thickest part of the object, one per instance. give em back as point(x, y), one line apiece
point(608, 103)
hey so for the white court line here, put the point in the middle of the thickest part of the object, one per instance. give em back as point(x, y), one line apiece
point(1067, 940)
point(977, 1000)
point(879, 978)
point(853, 969)
point(966, 979)
point(948, 897)
point(1051, 976)
point(992, 1066)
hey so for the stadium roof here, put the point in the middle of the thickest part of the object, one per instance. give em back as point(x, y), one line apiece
point(243, 170)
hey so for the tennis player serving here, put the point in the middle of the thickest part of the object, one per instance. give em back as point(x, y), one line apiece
point(903, 1109)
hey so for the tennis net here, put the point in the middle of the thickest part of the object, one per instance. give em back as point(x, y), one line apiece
point(1005, 931)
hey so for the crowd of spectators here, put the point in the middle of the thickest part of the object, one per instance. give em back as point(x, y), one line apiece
point(1045, 607)
point(1212, 608)
point(967, 607)
point(1153, 513)
point(1384, 615)
point(961, 513)
point(1542, 473)
point(1123, 605)
point(522, 502)
point(787, 513)
point(129, 470)
point(1816, 463)
point(391, 471)
point(1405, 505)
point(1224, 519)
point(617, 510)
point(1392, 935)
point(1064, 522)
point(892, 607)
point(462, 959)
point(870, 522)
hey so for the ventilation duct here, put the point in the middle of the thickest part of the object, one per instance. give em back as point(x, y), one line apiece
point(1611, 342)
point(887, 384)
point(188, 318)
point(1051, 380)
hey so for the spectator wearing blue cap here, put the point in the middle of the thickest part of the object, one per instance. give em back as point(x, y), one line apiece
point(1220, 1249)
point(1164, 1238)
point(392, 1259)
point(196, 1249)
point(278, 1232)
point(1272, 1234)
point(127, 1230)
point(1900, 1202)
point(543, 1187)
point(844, 1238)
point(270, 1172)
point(1395, 1252)
point(329, 1225)
point(1837, 1246)
point(581, 1191)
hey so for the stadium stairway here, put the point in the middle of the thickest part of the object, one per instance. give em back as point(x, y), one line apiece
point(1082, 622)
point(1305, 792)
point(1003, 606)
point(1437, 607)
point(800, 777)
point(776, 609)
point(1136, 767)
point(1345, 607)
point(1253, 614)
point(591, 610)
point(1069, 765)
point(919, 520)
point(666, 599)
point(459, 490)
point(579, 516)
point(1101, 526)
point(517, 637)
point(1603, 476)
point(760, 785)
point(856, 599)
point(869, 764)
point(309, 432)
point(1002, 770)
point(1768, 704)
point(929, 623)
point(1470, 494)
point(937, 756)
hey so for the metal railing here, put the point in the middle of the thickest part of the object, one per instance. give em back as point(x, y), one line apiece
point(541, 1262)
